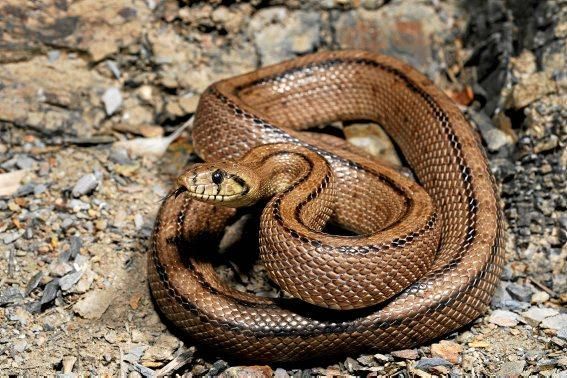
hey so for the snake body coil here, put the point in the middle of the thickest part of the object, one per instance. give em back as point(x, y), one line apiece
point(424, 262)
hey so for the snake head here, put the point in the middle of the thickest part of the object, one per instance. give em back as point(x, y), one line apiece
point(224, 183)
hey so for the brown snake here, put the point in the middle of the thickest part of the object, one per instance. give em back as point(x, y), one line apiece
point(424, 261)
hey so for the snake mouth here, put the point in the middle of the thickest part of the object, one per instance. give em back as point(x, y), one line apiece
point(192, 191)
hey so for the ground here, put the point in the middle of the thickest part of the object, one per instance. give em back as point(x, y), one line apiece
point(89, 88)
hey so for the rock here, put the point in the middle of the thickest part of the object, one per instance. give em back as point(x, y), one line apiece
point(352, 365)
point(280, 373)
point(189, 104)
point(69, 280)
point(406, 354)
point(68, 363)
point(248, 371)
point(399, 30)
point(10, 181)
point(495, 139)
point(94, 304)
point(112, 99)
point(33, 282)
point(511, 368)
point(503, 300)
point(50, 291)
point(279, 33)
point(562, 333)
point(86, 185)
point(448, 350)
point(540, 297)
point(556, 322)
point(10, 295)
point(547, 144)
point(19, 345)
point(536, 315)
point(218, 367)
point(531, 88)
point(519, 292)
point(162, 350)
point(503, 318)
point(427, 364)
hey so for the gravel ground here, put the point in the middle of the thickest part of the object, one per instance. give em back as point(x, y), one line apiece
point(86, 87)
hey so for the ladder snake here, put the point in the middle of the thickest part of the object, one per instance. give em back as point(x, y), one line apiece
point(424, 259)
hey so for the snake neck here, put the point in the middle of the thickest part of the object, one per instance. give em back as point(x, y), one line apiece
point(282, 168)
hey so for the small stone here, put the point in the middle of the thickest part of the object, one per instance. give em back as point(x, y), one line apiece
point(162, 350)
point(50, 291)
point(536, 315)
point(19, 345)
point(352, 365)
point(547, 144)
point(503, 318)
point(406, 354)
point(119, 156)
point(218, 367)
point(448, 350)
point(511, 368)
point(138, 221)
point(33, 282)
point(426, 364)
point(38, 189)
point(24, 162)
point(112, 100)
point(101, 224)
point(70, 279)
point(281, 373)
point(68, 363)
point(94, 304)
point(531, 88)
point(519, 292)
point(10, 295)
point(540, 297)
point(556, 322)
point(248, 371)
point(380, 357)
point(189, 104)
point(562, 333)
point(86, 185)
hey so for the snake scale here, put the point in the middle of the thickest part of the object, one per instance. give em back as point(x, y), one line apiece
point(423, 261)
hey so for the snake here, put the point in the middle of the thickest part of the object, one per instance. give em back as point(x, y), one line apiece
point(412, 261)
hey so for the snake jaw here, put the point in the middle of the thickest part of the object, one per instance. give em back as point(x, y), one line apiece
point(220, 183)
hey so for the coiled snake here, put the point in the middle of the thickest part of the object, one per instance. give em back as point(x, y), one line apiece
point(424, 260)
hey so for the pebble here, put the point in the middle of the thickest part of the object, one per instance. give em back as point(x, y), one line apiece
point(536, 315)
point(254, 371)
point(519, 292)
point(540, 297)
point(33, 282)
point(562, 333)
point(427, 364)
point(68, 363)
point(280, 373)
point(556, 322)
point(112, 100)
point(50, 291)
point(94, 304)
point(119, 156)
point(218, 367)
point(13, 236)
point(19, 345)
point(448, 350)
point(70, 279)
point(503, 318)
point(24, 162)
point(406, 354)
point(511, 368)
point(162, 350)
point(86, 185)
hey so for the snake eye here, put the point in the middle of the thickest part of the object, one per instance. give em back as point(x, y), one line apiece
point(217, 176)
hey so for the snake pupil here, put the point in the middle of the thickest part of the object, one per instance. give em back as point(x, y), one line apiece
point(217, 177)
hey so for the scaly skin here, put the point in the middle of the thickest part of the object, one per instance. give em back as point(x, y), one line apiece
point(395, 218)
